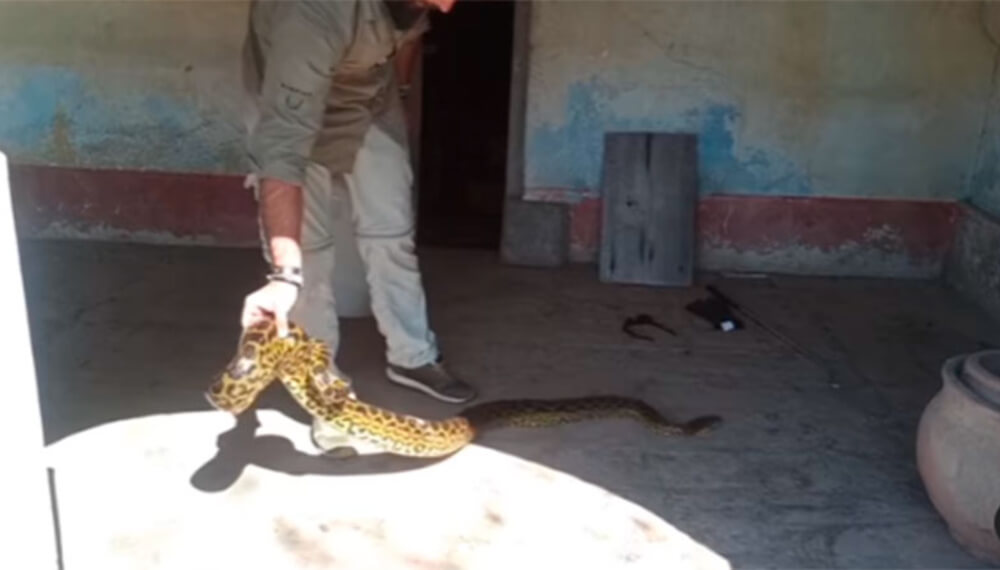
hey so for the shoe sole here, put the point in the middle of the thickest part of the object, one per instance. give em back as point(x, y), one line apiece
point(410, 383)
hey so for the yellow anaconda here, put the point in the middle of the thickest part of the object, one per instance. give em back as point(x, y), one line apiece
point(302, 365)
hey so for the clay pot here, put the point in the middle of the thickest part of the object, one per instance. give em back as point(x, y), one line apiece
point(958, 452)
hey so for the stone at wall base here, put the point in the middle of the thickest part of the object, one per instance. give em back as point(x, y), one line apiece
point(972, 266)
point(535, 234)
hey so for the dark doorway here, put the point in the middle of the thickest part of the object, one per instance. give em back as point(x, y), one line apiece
point(465, 93)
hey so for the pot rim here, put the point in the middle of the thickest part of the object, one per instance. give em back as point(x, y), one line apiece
point(952, 370)
point(983, 380)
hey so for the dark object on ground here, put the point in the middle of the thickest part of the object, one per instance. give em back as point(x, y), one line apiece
point(754, 319)
point(715, 311)
point(718, 295)
point(644, 320)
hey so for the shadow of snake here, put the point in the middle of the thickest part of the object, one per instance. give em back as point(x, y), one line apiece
point(241, 447)
point(302, 365)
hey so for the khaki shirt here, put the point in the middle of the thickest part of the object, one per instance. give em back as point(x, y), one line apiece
point(317, 75)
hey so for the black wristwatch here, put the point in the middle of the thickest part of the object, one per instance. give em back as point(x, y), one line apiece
point(292, 275)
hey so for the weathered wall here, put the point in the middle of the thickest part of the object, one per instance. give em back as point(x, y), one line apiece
point(813, 100)
point(809, 99)
point(136, 84)
point(832, 99)
point(805, 99)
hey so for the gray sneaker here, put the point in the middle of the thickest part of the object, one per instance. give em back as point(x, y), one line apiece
point(434, 380)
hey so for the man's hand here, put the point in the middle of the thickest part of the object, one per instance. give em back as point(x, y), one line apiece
point(274, 299)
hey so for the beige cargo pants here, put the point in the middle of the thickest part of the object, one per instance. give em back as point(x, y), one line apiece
point(380, 190)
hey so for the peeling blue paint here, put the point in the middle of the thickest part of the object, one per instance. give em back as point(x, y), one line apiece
point(569, 155)
point(132, 129)
point(29, 107)
point(721, 170)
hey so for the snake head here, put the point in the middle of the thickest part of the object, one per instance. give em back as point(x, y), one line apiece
point(240, 369)
point(250, 370)
point(238, 385)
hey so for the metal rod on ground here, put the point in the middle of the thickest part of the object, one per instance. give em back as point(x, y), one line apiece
point(26, 517)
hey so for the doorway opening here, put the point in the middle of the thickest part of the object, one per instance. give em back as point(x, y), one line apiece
point(464, 108)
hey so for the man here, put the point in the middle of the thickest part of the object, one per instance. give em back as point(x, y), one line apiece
point(325, 113)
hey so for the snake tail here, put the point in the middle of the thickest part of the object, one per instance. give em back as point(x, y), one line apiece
point(543, 413)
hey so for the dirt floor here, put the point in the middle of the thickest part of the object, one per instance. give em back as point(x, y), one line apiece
point(813, 467)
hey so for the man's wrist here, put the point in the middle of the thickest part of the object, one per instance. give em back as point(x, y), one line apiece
point(286, 261)
point(285, 252)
